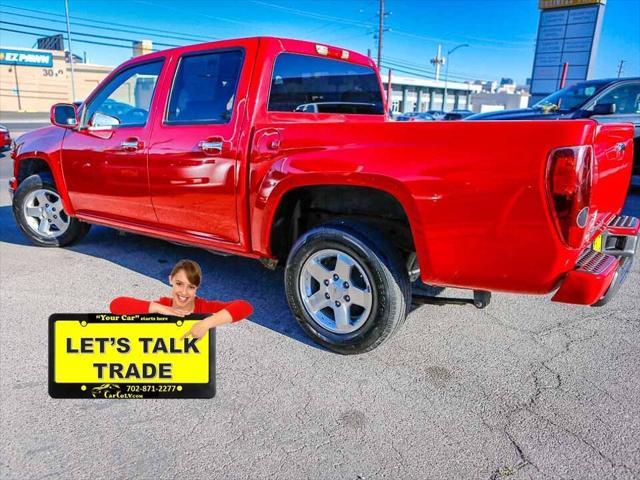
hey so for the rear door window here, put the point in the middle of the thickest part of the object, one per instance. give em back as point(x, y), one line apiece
point(302, 83)
point(204, 88)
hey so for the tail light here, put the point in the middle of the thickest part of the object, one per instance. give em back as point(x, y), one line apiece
point(569, 181)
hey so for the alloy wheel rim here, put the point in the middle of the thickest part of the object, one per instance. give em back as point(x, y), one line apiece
point(45, 214)
point(335, 291)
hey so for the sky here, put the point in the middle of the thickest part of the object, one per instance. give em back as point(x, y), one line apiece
point(500, 33)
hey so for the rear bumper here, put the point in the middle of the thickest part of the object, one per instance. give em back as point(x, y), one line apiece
point(598, 275)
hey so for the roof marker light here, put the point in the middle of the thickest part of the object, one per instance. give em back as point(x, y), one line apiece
point(322, 49)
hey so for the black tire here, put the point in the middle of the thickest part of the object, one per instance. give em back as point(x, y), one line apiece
point(385, 269)
point(74, 232)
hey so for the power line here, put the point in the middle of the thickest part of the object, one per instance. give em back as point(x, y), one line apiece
point(91, 35)
point(417, 68)
point(396, 69)
point(380, 31)
point(128, 47)
point(71, 62)
point(306, 13)
point(408, 66)
point(441, 40)
point(199, 15)
point(409, 63)
point(79, 24)
point(110, 24)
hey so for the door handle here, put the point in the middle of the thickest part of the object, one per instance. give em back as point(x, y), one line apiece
point(211, 146)
point(131, 144)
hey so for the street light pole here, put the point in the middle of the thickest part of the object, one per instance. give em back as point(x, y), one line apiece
point(73, 82)
point(446, 73)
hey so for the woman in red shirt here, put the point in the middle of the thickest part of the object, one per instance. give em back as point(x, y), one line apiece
point(185, 279)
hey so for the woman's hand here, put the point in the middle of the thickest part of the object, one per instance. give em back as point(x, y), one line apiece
point(164, 310)
point(200, 329)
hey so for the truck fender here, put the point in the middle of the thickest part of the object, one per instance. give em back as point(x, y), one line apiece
point(276, 184)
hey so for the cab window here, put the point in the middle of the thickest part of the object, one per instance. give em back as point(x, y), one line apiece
point(302, 83)
point(204, 88)
point(126, 100)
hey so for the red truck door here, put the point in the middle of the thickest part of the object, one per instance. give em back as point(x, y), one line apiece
point(195, 145)
point(105, 160)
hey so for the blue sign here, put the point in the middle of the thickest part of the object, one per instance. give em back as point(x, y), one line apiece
point(26, 58)
point(565, 35)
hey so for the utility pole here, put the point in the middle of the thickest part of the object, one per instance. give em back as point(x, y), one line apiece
point(620, 68)
point(437, 62)
point(446, 73)
point(73, 81)
point(389, 93)
point(380, 30)
point(15, 73)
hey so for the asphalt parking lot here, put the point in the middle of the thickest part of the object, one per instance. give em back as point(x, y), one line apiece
point(523, 389)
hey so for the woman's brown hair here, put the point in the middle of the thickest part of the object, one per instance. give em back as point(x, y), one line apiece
point(191, 270)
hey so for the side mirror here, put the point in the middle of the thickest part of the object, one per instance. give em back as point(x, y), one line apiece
point(64, 115)
point(604, 109)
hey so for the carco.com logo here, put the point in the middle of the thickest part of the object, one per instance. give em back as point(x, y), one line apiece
point(111, 390)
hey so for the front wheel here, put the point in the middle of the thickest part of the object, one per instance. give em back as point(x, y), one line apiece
point(39, 212)
point(347, 286)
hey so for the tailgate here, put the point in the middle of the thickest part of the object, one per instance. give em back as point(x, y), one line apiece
point(613, 149)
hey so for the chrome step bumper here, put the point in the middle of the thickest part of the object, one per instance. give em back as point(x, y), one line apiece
point(598, 275)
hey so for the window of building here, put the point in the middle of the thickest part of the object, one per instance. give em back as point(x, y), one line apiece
point(204, 88)
point(302, 83)
point(125, 101)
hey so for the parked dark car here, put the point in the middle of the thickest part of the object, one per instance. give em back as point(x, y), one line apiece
point(415, 117)
point(404, 117)
point(457, 114)
point(610, 100)
point(436, 114)
point(338, 107)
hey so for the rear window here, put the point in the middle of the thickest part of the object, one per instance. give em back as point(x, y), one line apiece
point(303, 83)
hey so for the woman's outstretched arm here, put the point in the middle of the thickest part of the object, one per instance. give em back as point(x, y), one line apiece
point(223, 312)
point(237, 309)
point(130, 306)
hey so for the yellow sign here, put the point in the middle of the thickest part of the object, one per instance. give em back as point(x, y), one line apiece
point(546, 4)
point(597, 243)
point(129, 356)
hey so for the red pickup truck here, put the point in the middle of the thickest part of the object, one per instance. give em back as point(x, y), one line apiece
point(282, 150)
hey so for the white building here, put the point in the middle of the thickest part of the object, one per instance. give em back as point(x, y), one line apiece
point(489, 102)
point(411, 94)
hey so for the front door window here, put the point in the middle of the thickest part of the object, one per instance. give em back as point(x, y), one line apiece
point(126, 100)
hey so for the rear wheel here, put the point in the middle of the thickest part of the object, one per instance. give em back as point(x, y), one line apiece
point(38, 210)
point(347, 286)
